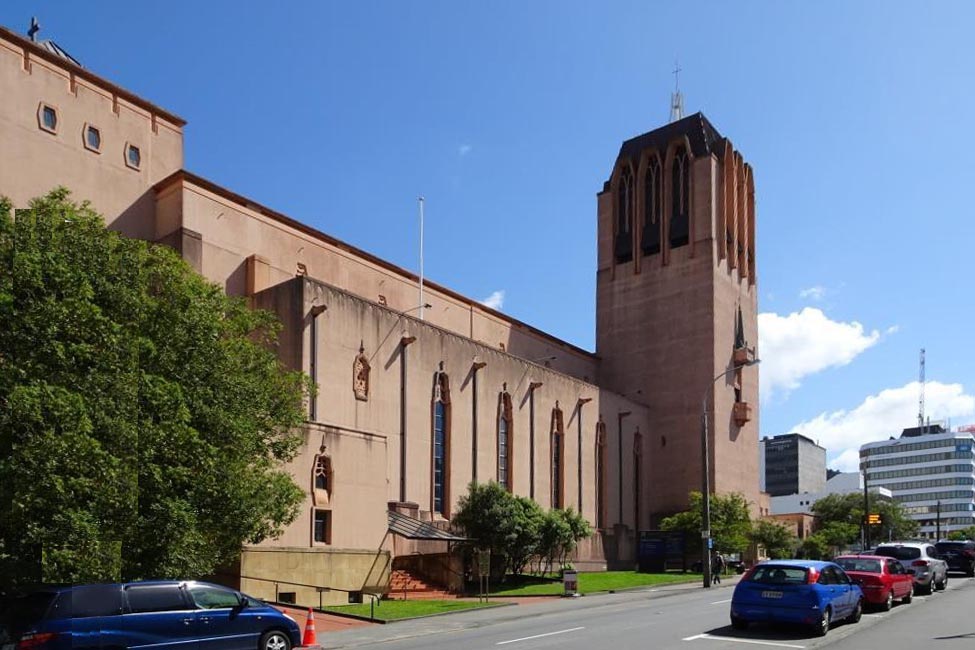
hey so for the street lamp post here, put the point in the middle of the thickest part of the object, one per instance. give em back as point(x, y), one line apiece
point(937, 535)
point(706, 476)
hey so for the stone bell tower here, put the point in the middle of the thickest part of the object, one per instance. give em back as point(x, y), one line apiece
point(676, 306)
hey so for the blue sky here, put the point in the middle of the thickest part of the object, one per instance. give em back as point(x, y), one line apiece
point(507, 117)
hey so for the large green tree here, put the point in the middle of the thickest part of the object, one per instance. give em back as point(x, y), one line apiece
point(731, 525)
point(144, 416)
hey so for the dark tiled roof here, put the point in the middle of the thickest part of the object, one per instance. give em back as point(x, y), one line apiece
point(702, 135)
point(411, 528)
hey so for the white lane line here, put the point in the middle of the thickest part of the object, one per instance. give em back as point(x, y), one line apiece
point(736, 640)
point(721, 602)
point(539, 636)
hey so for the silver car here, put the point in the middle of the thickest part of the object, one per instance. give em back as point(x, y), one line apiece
point(922, 559)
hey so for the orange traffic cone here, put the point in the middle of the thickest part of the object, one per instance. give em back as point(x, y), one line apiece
point(309, 638)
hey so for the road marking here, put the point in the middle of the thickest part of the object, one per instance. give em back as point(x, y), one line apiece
point(539, 636)
point(721, 602)
point(737, 640)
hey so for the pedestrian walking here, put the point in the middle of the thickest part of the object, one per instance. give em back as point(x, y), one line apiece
point(717, 567)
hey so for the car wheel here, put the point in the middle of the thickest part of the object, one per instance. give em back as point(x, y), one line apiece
point(889, 603)
point(823, 626)
point(909, 597)
point(857, 613)
point(739, 623)
point(274, 640)
point(971, 571)
point(944, 583)
point(927, 589)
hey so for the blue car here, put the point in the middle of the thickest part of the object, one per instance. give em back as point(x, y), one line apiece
point(166, 615)
point(803, 592)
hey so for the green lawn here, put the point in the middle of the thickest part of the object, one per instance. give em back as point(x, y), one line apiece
point(591, 583)
point(392, 610)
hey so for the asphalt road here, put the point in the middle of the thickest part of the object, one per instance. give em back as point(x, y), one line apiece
point(663, 619)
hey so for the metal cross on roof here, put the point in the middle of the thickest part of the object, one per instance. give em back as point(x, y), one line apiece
point(34, 28)
point(676, 73)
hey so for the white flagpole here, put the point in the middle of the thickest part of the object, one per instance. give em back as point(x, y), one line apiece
point(421, 257)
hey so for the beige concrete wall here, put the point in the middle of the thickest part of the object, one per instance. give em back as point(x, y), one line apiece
point(233, 229)
point(348, 322)
point(34, 161)
point(265, 572)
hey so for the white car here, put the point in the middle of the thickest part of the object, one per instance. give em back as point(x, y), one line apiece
point(923, 560)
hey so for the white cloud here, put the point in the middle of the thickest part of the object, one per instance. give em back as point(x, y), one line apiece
point(893, 329)
point(495, 300)
point(464, 149)
point(881, 416)
point(804, 343)
point(816, 293)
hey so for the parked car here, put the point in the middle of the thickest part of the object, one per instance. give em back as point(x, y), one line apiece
point(805, 592)
point(930, 571)
point(151, 615)
point(960, 556)
point(882, 579)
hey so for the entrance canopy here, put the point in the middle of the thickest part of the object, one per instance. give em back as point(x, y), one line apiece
point(411, 528)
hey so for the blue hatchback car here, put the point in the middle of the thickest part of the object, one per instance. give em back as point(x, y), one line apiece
point(144, 615)
point(804, 592)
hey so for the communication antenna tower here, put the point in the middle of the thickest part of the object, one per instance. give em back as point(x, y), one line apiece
point(920, 406)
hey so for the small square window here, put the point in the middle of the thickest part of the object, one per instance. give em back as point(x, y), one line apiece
point(322, 532)
point(93, 138)
point(47, 118)
point(133, 157)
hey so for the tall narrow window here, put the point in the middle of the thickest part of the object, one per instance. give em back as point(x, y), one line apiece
point(601, 474)
point(653, 190)
point(637, 460)
point(680, 211)
point(504, 439)
point(322, 527)
point(624, 217)
point(557, 445)
point(441, 443)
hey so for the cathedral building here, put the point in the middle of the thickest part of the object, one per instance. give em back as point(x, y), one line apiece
point(415, 402)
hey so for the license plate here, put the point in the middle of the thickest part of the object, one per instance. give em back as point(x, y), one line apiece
point(771, 594)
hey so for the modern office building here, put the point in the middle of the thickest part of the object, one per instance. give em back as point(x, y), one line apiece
point(838, 483)
point(931, 472)
point(792, 464)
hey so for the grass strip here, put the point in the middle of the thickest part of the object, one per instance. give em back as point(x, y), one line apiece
point(395, 610)
point(591, 583)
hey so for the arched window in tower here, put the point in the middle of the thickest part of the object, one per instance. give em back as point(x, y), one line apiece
point(653, 192)
point(601, 474)
point(680, 187)
point(557, 446)
point(440, 444)
point(504, 439)
point(624, 216)
point(637, 476)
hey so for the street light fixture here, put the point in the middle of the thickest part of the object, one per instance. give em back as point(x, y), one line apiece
point(705, 475)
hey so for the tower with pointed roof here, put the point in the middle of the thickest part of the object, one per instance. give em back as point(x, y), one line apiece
point(676, 306)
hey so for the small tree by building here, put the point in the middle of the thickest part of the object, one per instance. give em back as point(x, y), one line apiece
point(730, 522)
point(779, 541)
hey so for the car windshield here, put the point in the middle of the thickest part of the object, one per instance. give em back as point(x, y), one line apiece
point(779, 575)
point(859, 564)
point(952, 546)
point(899, 552)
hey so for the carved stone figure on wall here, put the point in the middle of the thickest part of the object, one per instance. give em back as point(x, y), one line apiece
point(360, 376)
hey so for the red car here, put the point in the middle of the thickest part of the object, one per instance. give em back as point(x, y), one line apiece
point(882, 579)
